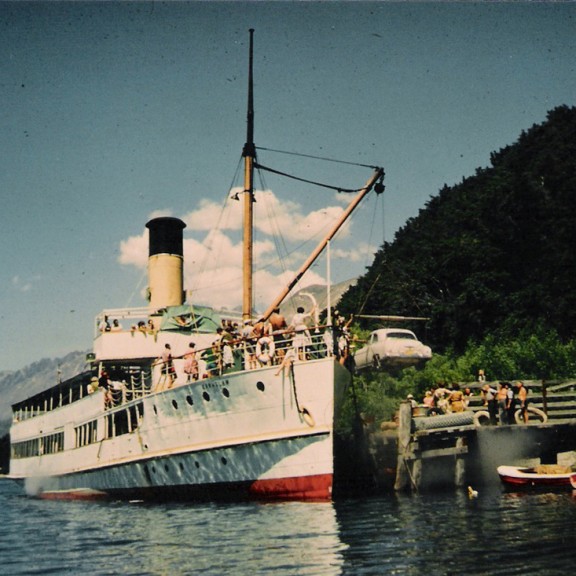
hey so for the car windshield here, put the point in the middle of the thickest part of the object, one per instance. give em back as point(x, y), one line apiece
point(403, 335)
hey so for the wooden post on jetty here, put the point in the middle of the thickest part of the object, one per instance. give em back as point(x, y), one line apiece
point(431, 438)
point(404, 436)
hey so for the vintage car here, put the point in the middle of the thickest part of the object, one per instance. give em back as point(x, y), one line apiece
point(392, 348)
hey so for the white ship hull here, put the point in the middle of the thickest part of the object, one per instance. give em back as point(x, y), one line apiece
point(265, 433)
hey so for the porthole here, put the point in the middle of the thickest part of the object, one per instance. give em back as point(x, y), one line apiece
point(206, 396)
point(153, 469)
point(197, 464)
point(166, 467)
point(226, 392)
point(224, 461)
point(175, 404)
point(190, 400)
point(181, 466)
point(260, 386)
point(155, 409)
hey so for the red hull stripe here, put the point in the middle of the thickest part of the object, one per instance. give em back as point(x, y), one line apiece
point(317, 487)
point(310, 488)
point(79, 494)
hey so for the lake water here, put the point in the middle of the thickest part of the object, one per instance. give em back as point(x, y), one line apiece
point(444, 533)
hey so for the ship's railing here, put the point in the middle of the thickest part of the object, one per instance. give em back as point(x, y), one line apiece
point(223, 357)
point(136, 317)
point(229, 356)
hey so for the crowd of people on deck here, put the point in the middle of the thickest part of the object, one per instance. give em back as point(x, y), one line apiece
point(271, 342)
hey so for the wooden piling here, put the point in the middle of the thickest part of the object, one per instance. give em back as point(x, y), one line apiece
point(447, 441)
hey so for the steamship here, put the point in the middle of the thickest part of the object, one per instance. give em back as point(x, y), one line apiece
point(252, 419)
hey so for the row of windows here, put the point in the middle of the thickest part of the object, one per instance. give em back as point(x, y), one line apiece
point(36, 447)
point(116, 424)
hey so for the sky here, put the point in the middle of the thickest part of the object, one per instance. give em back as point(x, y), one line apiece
point(116, 112)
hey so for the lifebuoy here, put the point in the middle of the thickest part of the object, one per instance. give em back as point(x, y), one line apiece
point(307, 417)
point(481, 418)
point(265, 350)
point(542, 416)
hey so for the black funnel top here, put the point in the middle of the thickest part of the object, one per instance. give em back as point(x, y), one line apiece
point(165, 236)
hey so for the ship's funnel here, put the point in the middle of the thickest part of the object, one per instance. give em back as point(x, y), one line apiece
point(165, 262)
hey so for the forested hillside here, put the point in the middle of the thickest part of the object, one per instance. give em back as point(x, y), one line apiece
point(494, 254)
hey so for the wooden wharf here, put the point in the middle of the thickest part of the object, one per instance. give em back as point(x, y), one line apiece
point(455, 450)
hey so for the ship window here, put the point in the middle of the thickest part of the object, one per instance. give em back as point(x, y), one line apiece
point(175, 404)
point(226, 392)
point(37, 446)
point(224, 461)
point(190, 400)
point(260, 386)
point(206, 396)
point(124, 421)
point(86, 433)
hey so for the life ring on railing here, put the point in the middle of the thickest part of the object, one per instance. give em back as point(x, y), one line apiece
point(265, 350)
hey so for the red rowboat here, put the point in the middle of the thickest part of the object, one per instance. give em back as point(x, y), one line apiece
point(543, 475)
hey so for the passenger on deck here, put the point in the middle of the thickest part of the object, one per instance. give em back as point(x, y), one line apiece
point(104, 326)
point(104, 383)
point(93, 385)
point(191, 363)
point(225, 348)
point(302, 337)
point(116, 326)
point(278, 327)
point(212, 357)
point(250, 362)
point(168, 370)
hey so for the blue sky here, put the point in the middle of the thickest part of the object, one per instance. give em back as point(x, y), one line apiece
point(113, 112)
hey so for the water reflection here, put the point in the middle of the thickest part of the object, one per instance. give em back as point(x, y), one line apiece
point(437, 534)
point(449, 533)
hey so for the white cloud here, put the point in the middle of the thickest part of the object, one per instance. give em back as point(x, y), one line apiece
point(134, 250)
point(213, 248)
point(360, 252)
point(23, 286)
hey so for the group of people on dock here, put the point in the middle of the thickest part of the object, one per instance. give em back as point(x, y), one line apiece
point(443, 400)
point(501, 403)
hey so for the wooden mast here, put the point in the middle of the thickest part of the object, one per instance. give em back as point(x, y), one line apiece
point(249, 154)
